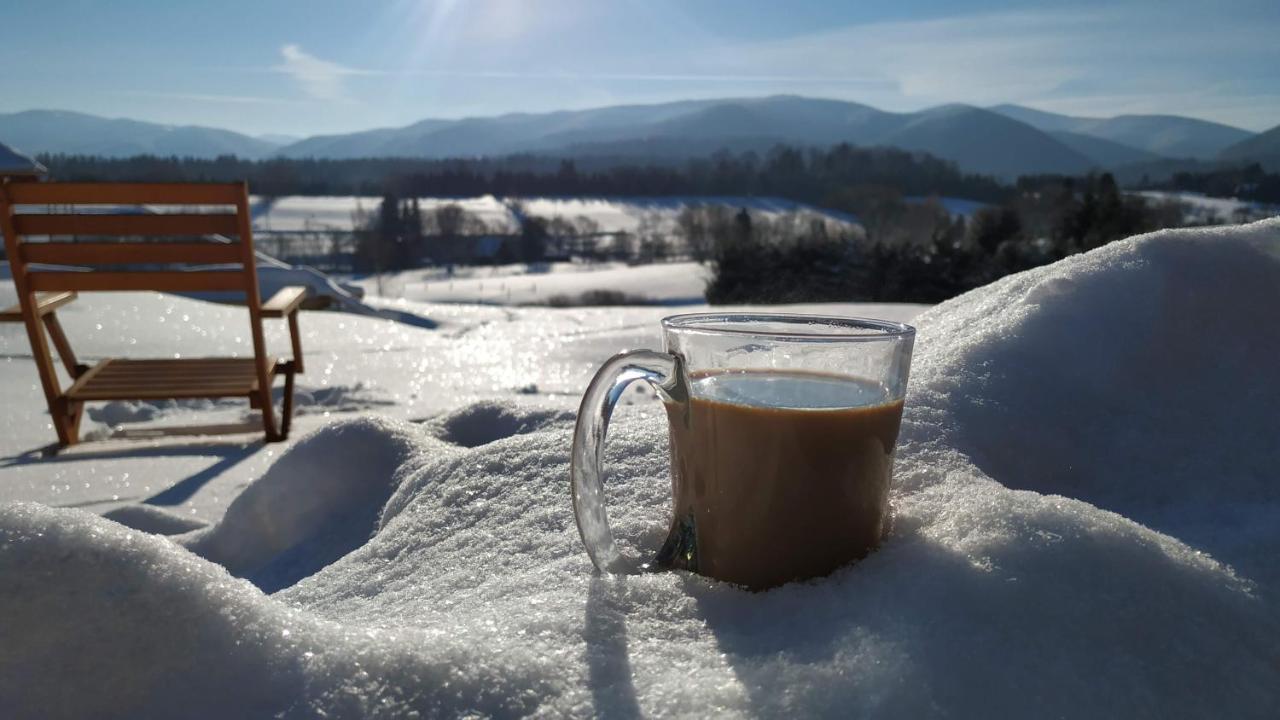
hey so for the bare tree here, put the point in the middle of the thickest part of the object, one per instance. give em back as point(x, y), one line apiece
point(448, 226)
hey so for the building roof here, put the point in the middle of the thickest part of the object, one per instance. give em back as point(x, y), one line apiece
point(13, 162)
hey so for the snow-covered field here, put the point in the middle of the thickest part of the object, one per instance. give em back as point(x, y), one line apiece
point(1201, 209)
point(1086, 495)
point(677, 283)
point(611, 215)
point(304, 213)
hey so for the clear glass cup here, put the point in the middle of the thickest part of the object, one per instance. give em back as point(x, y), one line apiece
point(783, 429)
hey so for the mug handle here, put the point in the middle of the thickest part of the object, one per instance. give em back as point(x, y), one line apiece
point(661, 370)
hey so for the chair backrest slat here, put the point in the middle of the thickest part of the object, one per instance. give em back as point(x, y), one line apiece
point(125, 253)
point(154, 225)
point(163, 281)
point(143, 211)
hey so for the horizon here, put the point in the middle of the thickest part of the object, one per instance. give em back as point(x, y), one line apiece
point(511, 113)
point(301, 71)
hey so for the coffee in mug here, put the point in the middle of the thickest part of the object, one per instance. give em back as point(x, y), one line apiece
point(782, 431)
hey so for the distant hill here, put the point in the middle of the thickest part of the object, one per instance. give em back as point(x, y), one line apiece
point(1004, 141)
point(499, 135)
point(1263, 148)
point(977, 140)
point(278, 139)
point(1170, 136)
point(1167, 135)
point(982, 141)
point(1103, 153)
point(61, 131)
point(1040, 119)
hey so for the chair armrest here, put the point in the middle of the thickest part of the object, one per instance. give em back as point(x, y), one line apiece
point(46, 302)
point(285, 302)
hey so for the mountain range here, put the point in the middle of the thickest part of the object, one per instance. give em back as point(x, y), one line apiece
point(1263, 148)
point(1005, 140)
point(73, 133)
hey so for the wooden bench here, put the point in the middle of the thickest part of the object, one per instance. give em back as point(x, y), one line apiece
point(112, 252)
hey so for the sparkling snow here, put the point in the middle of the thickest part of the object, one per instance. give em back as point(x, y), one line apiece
point(1087, 516)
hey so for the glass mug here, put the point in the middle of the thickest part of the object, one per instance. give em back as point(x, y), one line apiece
point(783, 430)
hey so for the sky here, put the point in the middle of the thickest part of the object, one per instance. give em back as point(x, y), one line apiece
point(306, 67)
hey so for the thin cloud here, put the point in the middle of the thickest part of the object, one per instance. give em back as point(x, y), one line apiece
point(651, 77)
point(1097, 62)
point(324, 80)
point(1102, 61)
point(319, 79)
point(210, 98)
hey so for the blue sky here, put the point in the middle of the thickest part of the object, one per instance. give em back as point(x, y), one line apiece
point(319, 66)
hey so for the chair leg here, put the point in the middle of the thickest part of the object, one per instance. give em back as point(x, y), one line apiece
point(268, 415)
point(74, 415)
point(66, 420)
point(65, 436)
point(286, 413)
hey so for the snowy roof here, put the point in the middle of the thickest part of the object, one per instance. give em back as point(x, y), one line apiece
point(13, 162)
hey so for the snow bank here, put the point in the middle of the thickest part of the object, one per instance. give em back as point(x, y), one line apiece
point(489, 421)
point(152, 519)
point(132, 625)
point(1139, 378)
point(317, 503)
point(307, 400)
point(1084, 446)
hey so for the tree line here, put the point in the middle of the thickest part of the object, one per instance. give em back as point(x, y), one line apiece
point(919, 252)
point(804, 175)
point(1250, 182)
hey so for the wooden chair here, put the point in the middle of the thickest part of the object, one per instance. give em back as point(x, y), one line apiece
point(123, 254)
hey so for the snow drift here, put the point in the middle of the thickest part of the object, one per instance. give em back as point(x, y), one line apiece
point(1088, 512)
point(319, 502)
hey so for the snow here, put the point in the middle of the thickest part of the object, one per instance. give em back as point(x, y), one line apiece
point(626, 214)
point(1202, 209)
point(676, 283)
point(306, 213)
point(1086, 524)
point(276, 536)
point(612, 214)
point(395, 365)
